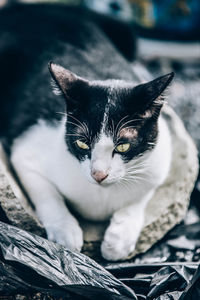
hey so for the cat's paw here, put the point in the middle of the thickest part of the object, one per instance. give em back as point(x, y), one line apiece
point(66, 233)
point(119, 240)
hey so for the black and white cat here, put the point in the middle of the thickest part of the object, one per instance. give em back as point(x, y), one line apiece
point(101, 143)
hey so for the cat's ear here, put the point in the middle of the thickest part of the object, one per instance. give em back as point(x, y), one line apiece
point(150, 96)
point(66, 82)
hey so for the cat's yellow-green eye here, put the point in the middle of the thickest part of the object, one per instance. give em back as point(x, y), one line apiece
point(82, 145)
point(123, 147)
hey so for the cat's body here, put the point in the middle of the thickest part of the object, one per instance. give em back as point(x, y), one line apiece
point(90, 200)
point(76, 155)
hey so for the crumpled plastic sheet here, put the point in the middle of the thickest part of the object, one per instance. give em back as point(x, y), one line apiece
point(31, 264)
point(159, 281)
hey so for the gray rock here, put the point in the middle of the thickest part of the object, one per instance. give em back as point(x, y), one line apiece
point(166, 209)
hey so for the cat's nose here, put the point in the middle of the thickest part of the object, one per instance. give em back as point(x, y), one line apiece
point(99, 176)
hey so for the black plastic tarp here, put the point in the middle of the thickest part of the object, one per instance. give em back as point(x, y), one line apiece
point(30, 264)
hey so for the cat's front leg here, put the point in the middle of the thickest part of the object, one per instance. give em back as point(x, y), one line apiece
point(122, 234)
point(61, 226)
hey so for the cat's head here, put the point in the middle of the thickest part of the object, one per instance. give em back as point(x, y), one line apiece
point(109, 123)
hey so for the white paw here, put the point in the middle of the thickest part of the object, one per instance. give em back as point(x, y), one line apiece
point(67, 233)
point(119, 240)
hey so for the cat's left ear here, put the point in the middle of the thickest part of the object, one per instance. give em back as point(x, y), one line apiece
point(150, 96)
point(67, 82)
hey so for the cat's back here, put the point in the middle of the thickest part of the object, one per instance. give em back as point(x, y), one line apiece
point(30, 37)
point(33, 35)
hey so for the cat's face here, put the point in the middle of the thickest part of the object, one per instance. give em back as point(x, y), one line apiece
point(109, 123)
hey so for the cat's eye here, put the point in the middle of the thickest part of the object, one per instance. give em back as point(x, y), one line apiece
point(123, 147)
point(82, 145)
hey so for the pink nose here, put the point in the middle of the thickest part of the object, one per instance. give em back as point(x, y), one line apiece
point(99, 176)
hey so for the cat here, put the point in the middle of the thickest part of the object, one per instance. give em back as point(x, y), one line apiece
point(100, 146)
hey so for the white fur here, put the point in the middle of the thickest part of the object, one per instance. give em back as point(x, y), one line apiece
point(50, 173)
point(55, 88)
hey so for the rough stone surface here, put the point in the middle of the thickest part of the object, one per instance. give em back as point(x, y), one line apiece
point(166, 209)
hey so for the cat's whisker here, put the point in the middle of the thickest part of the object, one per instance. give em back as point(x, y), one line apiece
point(138, 166)
point(133, 181)
point(138, 161)
point(128, 127)
point(118, 135)
point(138, 171)
point(135, 174)
point(120, 122)
point(86, 129)
point(139, 178)
point(125, 185)
point(130, 121)
point(126, 179)
point(123, 125)
point(128, 183)
point(141, 170)
point(68, 115)
point(73, 134)
point(136, 179)
point(61, 113)
point(128, 186)
point(80, 127)
point(81, 123)
point(70, 122)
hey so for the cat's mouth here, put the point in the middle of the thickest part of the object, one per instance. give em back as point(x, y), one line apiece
point(105, 183)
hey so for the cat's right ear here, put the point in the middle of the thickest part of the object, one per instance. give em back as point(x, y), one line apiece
point(66, 82)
